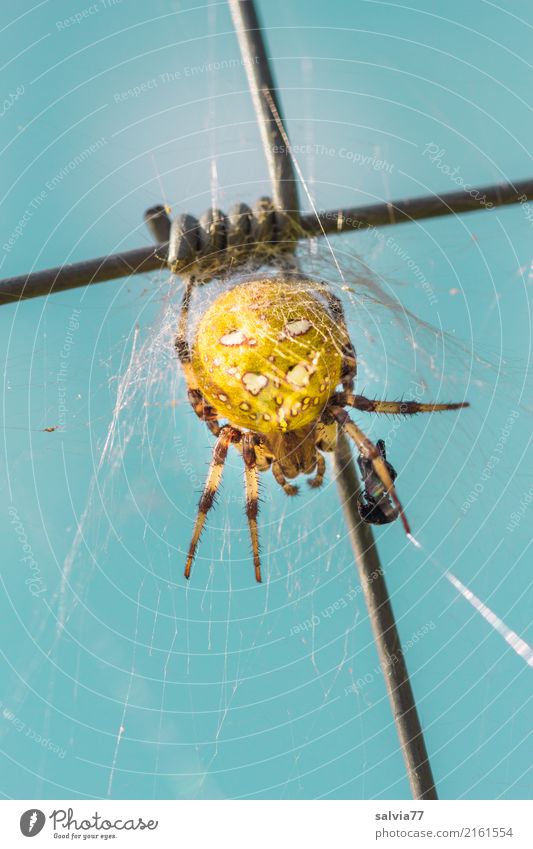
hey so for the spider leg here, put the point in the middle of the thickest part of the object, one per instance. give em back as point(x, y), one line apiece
point(251, 484)
point(380, 445)
point(181, 343)
point(288, 488)
point(318, 479)
point(371, 452)
point(262, 458)
point(403, 408)
point(201, 407)
point(204, 410)
point(226, 437)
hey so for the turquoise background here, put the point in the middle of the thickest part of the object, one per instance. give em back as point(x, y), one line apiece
point(225, 689)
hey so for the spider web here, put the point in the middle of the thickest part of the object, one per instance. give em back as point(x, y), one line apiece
point(218, 688)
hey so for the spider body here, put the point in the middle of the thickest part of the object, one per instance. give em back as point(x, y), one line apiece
point(273, 358)
point(268, 355)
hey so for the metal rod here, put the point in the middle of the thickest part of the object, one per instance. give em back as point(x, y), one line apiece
point(65, 277)
point(384, 628)
point(361, 537)
point(142, 260)
point(415, 209)
point(261, 83)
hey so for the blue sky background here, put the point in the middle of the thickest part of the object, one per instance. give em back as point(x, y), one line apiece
point(224, 689)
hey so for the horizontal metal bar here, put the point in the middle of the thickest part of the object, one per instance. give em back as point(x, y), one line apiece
point(415, 209)
point(64, 277)
point(143, 260)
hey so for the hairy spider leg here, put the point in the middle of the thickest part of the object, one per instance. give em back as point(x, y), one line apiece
point(318, 479)
point(402, 408)
point(369, 450)
point(382, 448)
point(251, 484)
point(288, 488)
point(201, 407)
point(227, 435)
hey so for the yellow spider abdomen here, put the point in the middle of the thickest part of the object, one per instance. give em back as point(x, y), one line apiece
point(268, 354)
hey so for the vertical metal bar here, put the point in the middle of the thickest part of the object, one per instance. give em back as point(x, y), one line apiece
point(261, 83)
point(380, 611)
point(384, 629)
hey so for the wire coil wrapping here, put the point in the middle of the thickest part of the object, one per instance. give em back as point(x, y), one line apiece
point(220, 239)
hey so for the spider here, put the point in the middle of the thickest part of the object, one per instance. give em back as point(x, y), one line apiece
point(268, 356)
